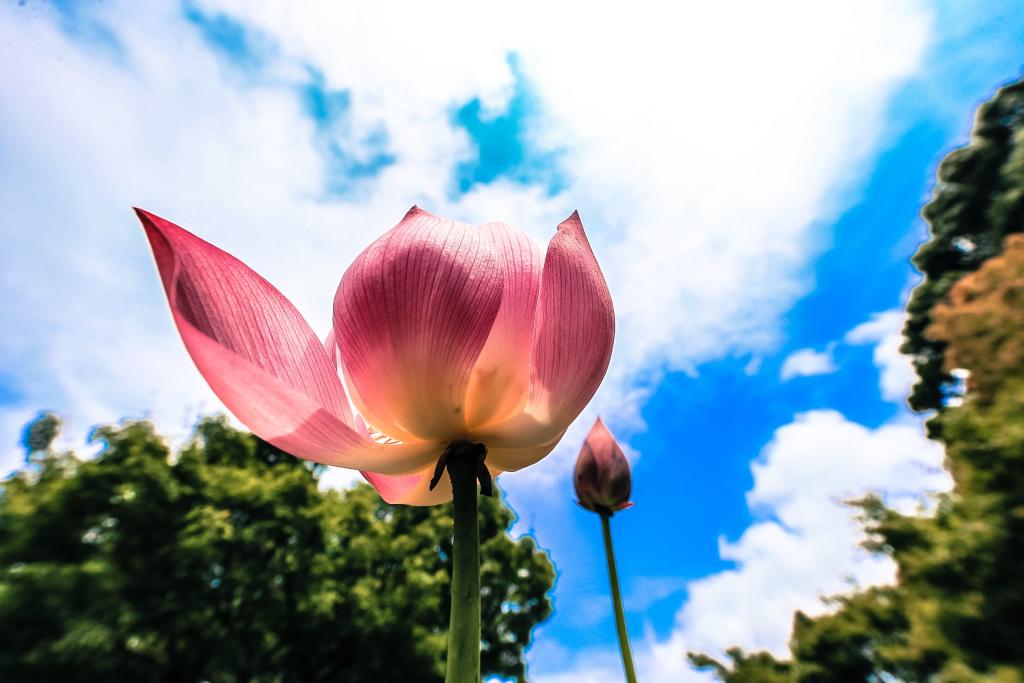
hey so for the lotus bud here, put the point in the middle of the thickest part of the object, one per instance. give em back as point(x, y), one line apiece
point(602, 478)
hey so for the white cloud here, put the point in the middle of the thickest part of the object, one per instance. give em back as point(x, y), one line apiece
point(339, 478)
point(12, 424)
point(701, 214)
point(807, 363)
point(700, 151)
point(645, 591)
point(805, 544)
point(589, 666)
point(885, 330)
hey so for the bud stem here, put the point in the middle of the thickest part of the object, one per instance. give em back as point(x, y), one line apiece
point(464, 629)
point(620, 617)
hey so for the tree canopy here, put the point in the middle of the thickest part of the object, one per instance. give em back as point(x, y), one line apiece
point(226, 562)
point(978, 200)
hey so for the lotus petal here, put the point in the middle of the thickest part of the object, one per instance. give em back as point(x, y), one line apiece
point(572, 343)
point(260, 356)
point(414, 489)
point(411, 317)
point(500, 383)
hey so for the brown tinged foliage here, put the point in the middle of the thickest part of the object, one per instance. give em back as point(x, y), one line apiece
point(226, 562)
point(982, 324)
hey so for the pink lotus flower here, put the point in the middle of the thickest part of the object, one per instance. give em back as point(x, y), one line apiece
point(442, 331)
point(602, 480)
point(603, 485)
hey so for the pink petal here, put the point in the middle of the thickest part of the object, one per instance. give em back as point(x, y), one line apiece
point(500, 383)
point(414, 489)
point(513, 459)
point(331, 347)
point(260, 357)
point(411, 316)
point(572, 345)
point(576, 326)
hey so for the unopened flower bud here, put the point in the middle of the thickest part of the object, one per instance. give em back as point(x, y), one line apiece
point(602, 478)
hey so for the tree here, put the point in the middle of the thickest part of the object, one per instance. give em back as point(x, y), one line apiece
point(759, 667)
point(982, 324)
point(978, 200)
point(957, 613)
point(225, 562)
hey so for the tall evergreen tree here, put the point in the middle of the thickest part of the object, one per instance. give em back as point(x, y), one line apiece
point(978, 200)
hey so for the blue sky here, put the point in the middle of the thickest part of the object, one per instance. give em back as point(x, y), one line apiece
point(751, 183)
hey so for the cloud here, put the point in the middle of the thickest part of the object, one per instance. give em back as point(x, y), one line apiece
point(700, 211)
point(804, 545)
point(704, 242)
point(807, 542)
point(807, 363)
point(885, 330)
point(589, 666)
point(339, 478)
point(645, 591)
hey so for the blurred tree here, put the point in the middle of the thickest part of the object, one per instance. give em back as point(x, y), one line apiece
point(978, 200)
point(759, 667)
point(957, 613)
point(225, 562)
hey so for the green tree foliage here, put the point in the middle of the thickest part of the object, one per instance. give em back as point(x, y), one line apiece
point(978, 201)
point(957, 613)
point(225, 562)
point(759, 667)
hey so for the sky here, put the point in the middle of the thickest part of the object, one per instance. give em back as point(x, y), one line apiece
point(750, 178)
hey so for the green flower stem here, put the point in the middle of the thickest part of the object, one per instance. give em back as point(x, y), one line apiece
point(464, 630)
point(620, 617)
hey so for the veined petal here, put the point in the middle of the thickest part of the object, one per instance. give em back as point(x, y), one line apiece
point(260, 356)
point(572, 343)
point(500, 383)
point(414, 489)
point(269, 407)
point(411, 315)
point(513, 459)
point(575, 329)
point(331, 347)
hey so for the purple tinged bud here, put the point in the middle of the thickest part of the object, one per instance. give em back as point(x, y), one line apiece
point(602, 478)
